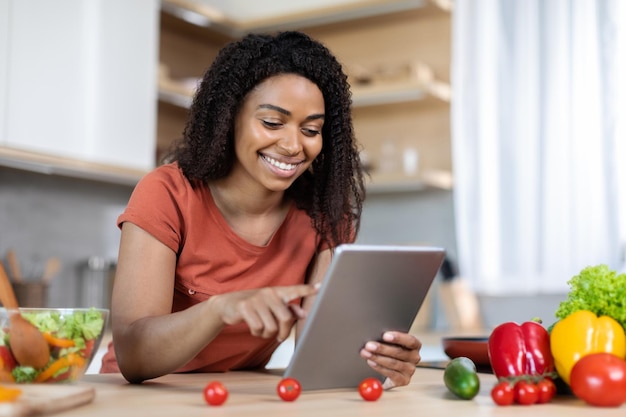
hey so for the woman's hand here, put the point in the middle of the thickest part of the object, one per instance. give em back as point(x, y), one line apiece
point(395, 357)
point(268, 312)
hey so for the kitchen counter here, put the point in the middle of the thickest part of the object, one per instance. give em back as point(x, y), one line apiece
point(431, 351)
point(253, 393)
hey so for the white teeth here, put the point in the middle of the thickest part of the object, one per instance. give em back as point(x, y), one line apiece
point(281, 165)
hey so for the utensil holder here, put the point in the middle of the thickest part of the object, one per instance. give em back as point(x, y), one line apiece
point(95, 283)
point(31, 294)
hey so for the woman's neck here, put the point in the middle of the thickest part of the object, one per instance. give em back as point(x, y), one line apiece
point(252, 216)
point(237, 199)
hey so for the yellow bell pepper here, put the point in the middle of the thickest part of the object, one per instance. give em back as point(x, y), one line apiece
point(582, 333)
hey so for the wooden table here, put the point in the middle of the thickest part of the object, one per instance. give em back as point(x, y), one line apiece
point(253, 394)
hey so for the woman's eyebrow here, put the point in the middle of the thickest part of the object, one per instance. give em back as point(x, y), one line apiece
point(275, 108)
point(287, 112)
point(315, 116)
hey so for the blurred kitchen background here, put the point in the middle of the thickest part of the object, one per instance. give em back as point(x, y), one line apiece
point(93, 92)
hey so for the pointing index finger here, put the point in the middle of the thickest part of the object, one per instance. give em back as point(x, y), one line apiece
point(298, 291)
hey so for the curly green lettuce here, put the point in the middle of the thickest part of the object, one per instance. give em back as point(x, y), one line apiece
point(599, 290)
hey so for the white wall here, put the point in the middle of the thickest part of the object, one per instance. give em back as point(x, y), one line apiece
point(43, 216)
point(414, 217)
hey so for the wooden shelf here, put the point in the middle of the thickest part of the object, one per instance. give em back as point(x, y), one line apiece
point(215, 21)
point(53, 165)
point(398, 183)
point(368, 95)
point(398, 92)
point(68, 167)
point(175, 98)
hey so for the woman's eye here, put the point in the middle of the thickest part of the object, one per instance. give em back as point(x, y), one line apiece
point(310, 132)
point(271, 125)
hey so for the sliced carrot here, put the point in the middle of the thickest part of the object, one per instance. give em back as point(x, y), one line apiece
point(57, 341)
point(9, 394)
point(71, 359)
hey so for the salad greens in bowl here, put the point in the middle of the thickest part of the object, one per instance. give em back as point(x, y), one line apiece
point(73, 335)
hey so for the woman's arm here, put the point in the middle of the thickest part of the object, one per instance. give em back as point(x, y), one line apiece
point(150, 340)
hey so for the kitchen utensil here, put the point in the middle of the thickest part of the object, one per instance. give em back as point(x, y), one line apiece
point(53, 265)
point(31, 294)
point(14, 266)
point(39, 400)
point(27, 342)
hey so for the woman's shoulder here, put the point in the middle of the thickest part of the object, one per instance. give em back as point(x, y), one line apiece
point(170, 170)
point(168, 176)
point(167, 183)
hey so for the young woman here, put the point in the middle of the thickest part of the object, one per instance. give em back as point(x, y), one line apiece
point(223, 245)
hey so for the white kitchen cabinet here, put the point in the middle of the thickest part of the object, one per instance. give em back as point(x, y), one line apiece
point(4, 52)
point(79, 83)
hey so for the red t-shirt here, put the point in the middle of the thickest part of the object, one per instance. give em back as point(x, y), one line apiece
point(212, 259)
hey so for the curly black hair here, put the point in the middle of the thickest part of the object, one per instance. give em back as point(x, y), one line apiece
point(332, 191)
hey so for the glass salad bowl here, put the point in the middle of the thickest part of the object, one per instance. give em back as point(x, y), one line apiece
point(73, 336)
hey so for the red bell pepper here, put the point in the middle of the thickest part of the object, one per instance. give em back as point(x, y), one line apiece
point(520, 351)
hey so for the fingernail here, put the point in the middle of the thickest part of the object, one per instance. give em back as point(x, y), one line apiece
point(317, 285)
point(388, 337)
point(366, 353)
point(371, 363)
point(371, 346)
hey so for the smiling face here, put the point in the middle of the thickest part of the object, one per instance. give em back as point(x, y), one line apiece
point(278, 132)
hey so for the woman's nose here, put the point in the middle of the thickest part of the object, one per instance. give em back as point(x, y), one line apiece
point(290, 141)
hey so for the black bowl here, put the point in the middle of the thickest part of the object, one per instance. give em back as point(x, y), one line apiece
point(474, 348)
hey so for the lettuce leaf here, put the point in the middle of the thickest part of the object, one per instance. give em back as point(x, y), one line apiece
point(599, 290)
point(78, 325)
point(24, 373)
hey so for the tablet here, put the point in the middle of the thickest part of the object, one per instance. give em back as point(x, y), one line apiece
point(368, 289)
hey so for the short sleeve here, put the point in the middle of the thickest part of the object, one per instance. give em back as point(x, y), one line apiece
point(155, 205)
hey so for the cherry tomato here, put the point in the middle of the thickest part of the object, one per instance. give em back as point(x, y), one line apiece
point(599, 379)
point(502, 393)
point(289, 389)
point(88, 350)
point(7, 360)
point(61, 377)
point(215, 393)
point(525, 393)
point(546, 390)
point(370, 389)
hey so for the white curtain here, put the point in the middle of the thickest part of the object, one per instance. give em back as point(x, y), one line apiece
point(539, 140)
